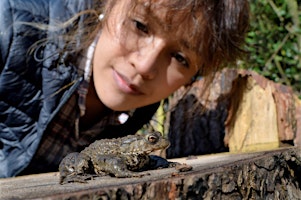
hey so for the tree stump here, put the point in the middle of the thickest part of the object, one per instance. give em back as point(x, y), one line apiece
point(259, 175)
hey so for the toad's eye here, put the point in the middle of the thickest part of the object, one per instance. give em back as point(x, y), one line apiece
point(181, 59)
point(141, 26)
point(152, 139)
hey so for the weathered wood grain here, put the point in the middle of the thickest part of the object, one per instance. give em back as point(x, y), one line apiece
point(260, 175)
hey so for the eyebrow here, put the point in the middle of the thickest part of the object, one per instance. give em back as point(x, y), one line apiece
point(186, 45)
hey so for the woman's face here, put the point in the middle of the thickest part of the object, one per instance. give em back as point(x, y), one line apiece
point(139, 61)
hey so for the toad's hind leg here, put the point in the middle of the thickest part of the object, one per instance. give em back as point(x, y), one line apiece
point(113, 165)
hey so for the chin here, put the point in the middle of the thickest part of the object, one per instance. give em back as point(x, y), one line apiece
point(117, 106)
point(117, 102)
point(122, 106)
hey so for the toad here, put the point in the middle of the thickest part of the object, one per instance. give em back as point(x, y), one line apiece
point(119, 157)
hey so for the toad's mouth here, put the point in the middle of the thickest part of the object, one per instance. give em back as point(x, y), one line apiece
point(156, 149)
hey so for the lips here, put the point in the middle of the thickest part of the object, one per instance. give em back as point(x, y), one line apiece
point(125, 85)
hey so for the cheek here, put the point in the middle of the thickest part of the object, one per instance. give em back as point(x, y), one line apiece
point(170, 83)
point(176, 79)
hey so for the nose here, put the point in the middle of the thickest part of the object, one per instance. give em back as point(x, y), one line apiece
point(149, 57)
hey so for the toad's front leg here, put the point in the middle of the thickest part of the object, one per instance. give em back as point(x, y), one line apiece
point(75, 167)
point(114, 166)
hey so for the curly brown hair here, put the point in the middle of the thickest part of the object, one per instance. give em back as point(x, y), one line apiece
point(216, 28)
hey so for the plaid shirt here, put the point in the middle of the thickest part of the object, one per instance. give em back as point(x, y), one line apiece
point(63, 134)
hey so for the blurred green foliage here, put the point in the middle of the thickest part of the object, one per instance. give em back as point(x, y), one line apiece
point(274, 41)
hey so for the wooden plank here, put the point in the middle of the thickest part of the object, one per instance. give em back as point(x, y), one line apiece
point(222, 176)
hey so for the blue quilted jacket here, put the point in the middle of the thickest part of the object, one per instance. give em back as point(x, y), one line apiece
point(28, 81)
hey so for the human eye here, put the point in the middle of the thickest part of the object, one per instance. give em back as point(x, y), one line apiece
point(141, 26)
point(181, 59)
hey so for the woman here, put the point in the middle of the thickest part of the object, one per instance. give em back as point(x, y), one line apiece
point(69, 68)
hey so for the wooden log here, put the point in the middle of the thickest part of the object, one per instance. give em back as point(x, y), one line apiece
point(265, 116)
point(240, 111)
point(260, 175)
point(255, 126)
